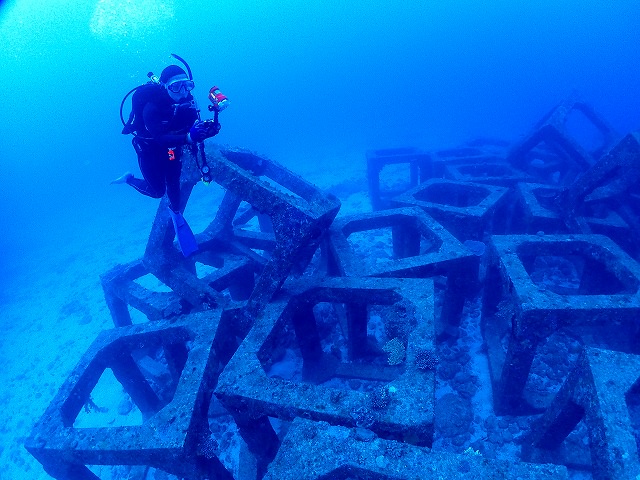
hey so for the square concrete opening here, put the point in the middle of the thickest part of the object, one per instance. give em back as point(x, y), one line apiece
point(485, 170)
point(392, 171)
point(148, 372)
point(467, 210)
point(337, 361)
point(453, 194)
point(546, 197)
point(548, 164)
point(405, 242)
point(377, 243)
point(578, 269)
point(395, 178)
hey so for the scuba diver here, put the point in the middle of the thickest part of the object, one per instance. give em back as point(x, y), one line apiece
point(164, 118)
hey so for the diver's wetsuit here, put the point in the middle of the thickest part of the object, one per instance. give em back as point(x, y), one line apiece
point(166, 127)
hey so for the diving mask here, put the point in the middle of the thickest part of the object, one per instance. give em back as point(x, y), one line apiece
point(178, 85)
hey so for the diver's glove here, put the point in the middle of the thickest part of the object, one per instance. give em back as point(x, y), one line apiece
point(202, 130)
point(213, 128)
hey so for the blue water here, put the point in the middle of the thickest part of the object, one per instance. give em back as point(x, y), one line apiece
point(308, 82)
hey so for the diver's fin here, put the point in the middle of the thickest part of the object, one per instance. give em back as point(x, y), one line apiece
point(186, 239)
point(124, 178)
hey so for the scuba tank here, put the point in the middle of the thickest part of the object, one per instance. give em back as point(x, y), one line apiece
point(141, 95)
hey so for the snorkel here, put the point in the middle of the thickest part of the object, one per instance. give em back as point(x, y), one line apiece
point(184, 62)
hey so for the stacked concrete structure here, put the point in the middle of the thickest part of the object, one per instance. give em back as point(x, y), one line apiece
point(327, 352)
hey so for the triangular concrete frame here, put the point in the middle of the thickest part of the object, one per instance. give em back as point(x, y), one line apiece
point(551, 129)
point(595, 392)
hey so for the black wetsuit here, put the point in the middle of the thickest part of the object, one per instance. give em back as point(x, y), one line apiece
point(159, 146)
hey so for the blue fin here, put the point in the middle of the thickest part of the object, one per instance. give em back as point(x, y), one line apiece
point(186, 239)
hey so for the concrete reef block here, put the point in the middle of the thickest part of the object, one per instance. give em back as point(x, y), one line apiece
point(467, 210)
point(613, 180)
point(121, 291)
point(602, 390)
point(474, 151)
point(536, 210)
point(416, 163)
point(317, 450)
point(174, 424)
point(612, 175)
point(554, 131)
point(486, 170)
point(123, 288)
point(400, 400)
point(299, 214)
point(420, 246)
point(594, 285)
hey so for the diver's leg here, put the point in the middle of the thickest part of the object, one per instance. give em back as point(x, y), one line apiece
point(152, 166)
point(174, 168)
point(186, 239)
